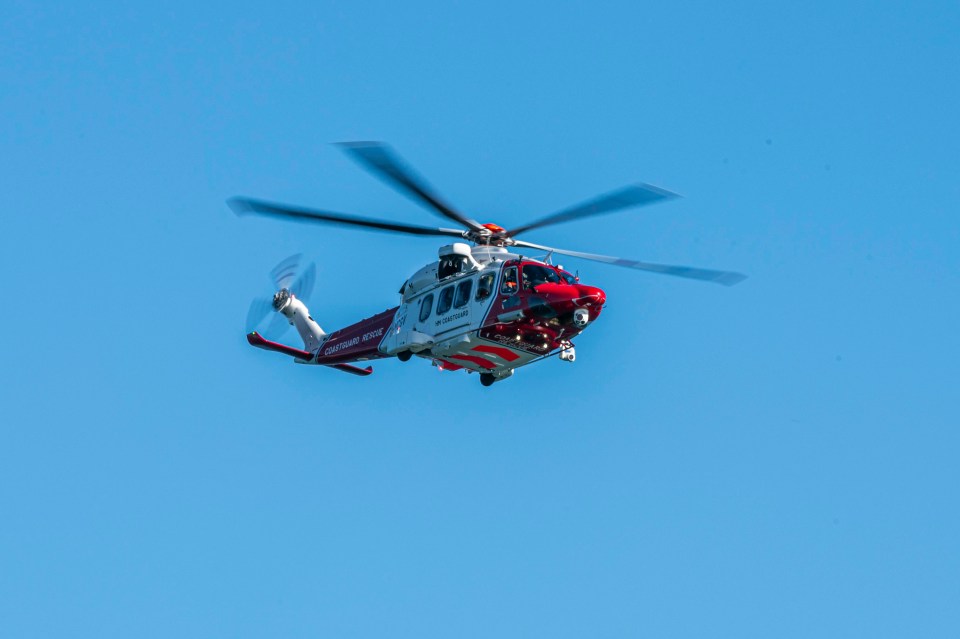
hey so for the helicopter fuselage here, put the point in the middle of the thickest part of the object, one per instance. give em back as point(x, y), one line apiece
point(489, 315)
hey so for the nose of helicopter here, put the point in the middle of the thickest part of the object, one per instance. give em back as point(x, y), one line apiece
point(591, 296)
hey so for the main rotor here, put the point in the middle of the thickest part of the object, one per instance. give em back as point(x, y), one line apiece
point(380, 160)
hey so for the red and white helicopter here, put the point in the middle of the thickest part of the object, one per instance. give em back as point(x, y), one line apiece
point(481, 307)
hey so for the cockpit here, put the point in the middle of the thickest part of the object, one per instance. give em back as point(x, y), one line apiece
point(537, 274)
point(543, 294)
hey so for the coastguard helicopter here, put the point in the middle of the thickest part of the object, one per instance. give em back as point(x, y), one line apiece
point(482, 307)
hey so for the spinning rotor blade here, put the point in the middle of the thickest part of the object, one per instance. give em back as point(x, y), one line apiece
point(244, 206)
point(377, 158)
point(259, 309)
point(284, 273)
point(278, 326)
point(726, 278)
point(303, 285)
point(634, 195)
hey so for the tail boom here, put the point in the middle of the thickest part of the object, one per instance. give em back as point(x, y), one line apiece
point(357, 342)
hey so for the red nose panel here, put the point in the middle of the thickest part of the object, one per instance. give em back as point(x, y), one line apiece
point(591, 295)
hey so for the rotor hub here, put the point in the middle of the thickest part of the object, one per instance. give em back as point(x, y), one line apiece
point(281, 298)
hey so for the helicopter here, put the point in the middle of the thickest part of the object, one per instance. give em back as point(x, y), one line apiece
point(481, 307)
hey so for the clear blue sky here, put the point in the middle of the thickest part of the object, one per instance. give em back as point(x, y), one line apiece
point(777, 459)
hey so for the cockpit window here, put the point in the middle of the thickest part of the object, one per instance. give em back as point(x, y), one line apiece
point(569, 279)
point(509, 285)
point(535, 274)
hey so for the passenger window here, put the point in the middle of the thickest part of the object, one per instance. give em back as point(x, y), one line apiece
point(485, 286)
point(446, 299)
point(509, 286)
point(463, 293)
point(425, 305)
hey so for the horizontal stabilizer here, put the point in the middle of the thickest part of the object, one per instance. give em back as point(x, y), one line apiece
point(353, 370)
point(256, 339)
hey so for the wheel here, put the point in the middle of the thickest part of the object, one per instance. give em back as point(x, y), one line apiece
point(404, 356)
point(487, 379)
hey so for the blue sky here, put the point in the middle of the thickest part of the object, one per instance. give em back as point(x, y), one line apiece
point(774, 459)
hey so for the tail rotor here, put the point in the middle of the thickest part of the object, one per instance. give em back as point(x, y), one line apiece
point(289, 279)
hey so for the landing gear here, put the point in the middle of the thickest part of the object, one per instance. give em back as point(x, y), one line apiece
point(404, 356)
point(487, 379)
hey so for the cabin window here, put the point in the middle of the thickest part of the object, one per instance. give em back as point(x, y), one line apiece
point(569, 279)
point(536, 274)
point(425, 305)
point(463, 293)
point(485, 286)
point(446, 300)
point(509, 286)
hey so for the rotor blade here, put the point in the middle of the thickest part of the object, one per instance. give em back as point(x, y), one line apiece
point(377, 158)
point(278, 326)
point(259, 309)
point(726, 278)
point(303, 285)
point(244, 206)
point(634, 195)
point(284, 273)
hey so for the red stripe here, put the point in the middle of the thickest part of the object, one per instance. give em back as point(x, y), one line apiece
point(503, 353)
point(479, 361)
